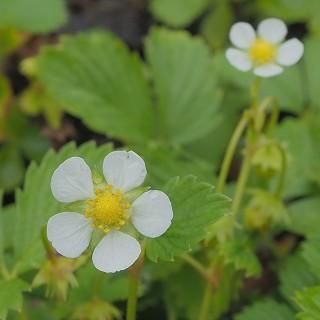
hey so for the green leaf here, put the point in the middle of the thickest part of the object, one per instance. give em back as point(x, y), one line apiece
point(303, 150)
point(216, 25)
point(304, 215)
point(11, 168)
point(33, 15)
point(184, 84)
point(295, 275)
point(288, 88)
point(265, 310)
point(177, 13)
point(164, 162)
point(309, 301)
point(240, 254)
point(288, 10)
point(183, 296)
point(11, 295)
point(96, 78)
point(196, 207)
point(311, 253)
point(7, 222)
point(35, 203)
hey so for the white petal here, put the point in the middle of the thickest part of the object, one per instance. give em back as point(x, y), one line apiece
point(273, 30)
point(268, 70)
point(124, 170)
point(115, 252)
point(152, 213)
point(239, 59)
point(69, 233)
point(72, 181)
point(242, 35)
point(290, 52)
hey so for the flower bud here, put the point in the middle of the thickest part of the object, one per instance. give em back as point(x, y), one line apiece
point(268, 159)
point(58, 275)
point(264, 210)
point(96, 310)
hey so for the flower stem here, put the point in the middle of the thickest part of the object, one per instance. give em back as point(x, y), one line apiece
point(231, 150)
point(204, 311)
point(243, 178)
point(283, 172)
point(134, 277)
point(196, 265)
point(132, 298)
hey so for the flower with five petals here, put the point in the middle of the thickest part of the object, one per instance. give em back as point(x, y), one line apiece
point(263, 51)
point(107, 206)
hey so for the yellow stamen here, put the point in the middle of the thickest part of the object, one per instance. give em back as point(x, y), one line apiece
point(262, 52)
point(108, 210)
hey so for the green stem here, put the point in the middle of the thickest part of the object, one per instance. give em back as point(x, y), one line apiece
point(283, 172)
point(196, 265)
point(242, 182)
point(204, 311)
point(134, 277)
point(231, 151)
point(133, 297)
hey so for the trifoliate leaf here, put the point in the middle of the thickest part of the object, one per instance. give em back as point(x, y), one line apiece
point(177, 13)
point(184, 83)
point(196, 207)
point(309, 301)
point(33, 15)
point(35, 203)
point(11, 295)
point(295, 275)
point(103, 84)
point(240, 254)
point(265, 310)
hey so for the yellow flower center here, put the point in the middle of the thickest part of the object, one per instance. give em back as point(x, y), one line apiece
point(262, 51)
point(108, 210)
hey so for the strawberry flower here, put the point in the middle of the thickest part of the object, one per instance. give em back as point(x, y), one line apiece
point(264, 51)
point(108, 206)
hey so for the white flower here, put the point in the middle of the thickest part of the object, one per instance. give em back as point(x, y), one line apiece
point(108, 208)
point(264, 52)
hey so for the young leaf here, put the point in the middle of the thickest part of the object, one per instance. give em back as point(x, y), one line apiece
point(177, 13)
point(35, 203)
point(96, 78)
point(11, 296)
point(265, 310)
point(33, 15)
point(184, 83)
point(196, 206)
